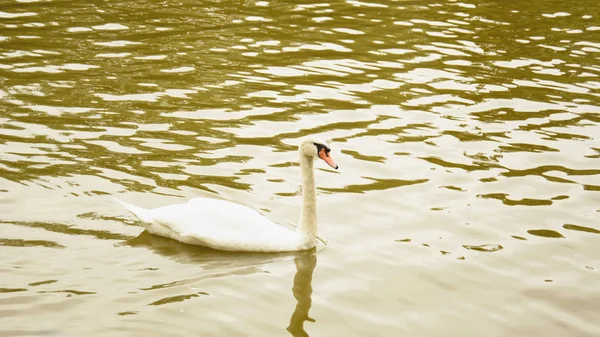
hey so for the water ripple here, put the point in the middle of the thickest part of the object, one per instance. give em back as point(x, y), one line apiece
point(460, 128)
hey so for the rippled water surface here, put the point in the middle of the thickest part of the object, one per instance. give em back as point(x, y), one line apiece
point(467, 133)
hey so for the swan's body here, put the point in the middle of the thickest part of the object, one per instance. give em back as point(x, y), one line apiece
point(224, 225)
point(217, 224)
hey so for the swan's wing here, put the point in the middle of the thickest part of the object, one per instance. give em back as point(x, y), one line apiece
point(215, 218)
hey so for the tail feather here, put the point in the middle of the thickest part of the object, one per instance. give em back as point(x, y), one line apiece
point(139, 212)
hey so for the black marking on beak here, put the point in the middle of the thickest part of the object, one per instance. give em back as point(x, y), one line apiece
point(321, 146)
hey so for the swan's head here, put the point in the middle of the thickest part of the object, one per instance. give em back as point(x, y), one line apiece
point(313, 147)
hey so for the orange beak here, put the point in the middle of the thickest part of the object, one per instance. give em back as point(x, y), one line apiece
point(327, 158)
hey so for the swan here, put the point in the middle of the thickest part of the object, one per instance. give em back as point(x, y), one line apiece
point(225, 225)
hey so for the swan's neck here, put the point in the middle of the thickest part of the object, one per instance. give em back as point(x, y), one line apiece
point(307, 229)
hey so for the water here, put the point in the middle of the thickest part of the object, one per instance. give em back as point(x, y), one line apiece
point(466, 133)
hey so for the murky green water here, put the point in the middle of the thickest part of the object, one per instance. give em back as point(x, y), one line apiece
point(467, 134)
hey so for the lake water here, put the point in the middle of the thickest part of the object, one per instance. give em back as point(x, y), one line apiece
point(467, 134)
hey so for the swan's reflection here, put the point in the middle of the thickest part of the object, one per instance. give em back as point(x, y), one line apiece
point(305, 265)
point(228, 263)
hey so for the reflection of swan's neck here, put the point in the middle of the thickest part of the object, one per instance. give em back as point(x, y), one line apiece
point(305, 265)
point(307, 227)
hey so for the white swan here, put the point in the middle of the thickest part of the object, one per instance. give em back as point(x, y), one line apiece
point(224, 225)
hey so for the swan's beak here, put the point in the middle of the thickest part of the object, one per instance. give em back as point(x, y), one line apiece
point(327, 158)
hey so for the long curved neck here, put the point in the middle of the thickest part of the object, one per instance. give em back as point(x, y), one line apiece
point(307, 227)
